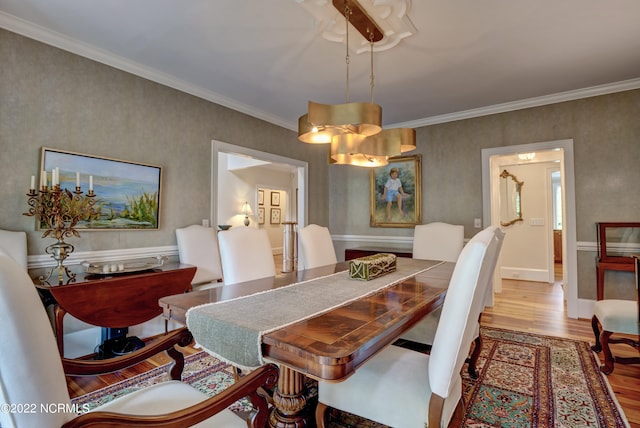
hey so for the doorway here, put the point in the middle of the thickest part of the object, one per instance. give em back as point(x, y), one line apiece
point(561, 150)
point(221, 196)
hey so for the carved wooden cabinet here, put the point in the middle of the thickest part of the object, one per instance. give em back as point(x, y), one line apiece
point(617, 243)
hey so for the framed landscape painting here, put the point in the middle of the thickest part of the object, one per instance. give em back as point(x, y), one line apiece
point(127, 193)
point(396, 193)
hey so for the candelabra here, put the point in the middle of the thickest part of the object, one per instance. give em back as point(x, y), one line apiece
point(59, 211)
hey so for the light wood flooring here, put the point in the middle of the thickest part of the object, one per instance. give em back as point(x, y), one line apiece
point(525, 306)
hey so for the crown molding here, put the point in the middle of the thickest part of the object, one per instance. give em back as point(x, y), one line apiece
point(44, 35)
point(52, 38)
point(593, 91)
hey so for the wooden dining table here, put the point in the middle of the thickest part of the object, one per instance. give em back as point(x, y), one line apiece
point(329, 346)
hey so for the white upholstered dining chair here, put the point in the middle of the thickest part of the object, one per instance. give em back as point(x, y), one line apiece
point(434, 241)
point(315, 247)
point(198, 246)
point(404, 388)
point(617, 321)
point(79, 338)
point(424, 331)
point(33, 375)
point(14, 244)
point(438, 241)
point(246, 254)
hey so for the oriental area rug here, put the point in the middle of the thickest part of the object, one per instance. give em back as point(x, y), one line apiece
point(524, 380)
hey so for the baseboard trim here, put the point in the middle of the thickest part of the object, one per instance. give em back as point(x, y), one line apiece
point(538, 275)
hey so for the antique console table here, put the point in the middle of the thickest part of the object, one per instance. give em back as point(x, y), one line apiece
point(331, 345)
point(115, 300)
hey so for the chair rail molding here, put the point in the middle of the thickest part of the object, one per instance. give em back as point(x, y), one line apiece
point(44, 260)
point(374, 238)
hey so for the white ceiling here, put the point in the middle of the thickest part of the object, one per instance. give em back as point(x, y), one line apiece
point(267, 58)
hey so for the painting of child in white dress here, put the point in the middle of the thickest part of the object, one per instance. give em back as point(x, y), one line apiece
point(395, 193)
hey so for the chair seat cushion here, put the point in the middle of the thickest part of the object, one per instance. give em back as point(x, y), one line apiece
point(168, 397)
point(620, 316)
point(391, 388)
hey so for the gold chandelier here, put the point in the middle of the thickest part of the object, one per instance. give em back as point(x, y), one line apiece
point(354, 129)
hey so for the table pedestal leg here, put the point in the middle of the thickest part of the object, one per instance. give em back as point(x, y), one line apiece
point(289, 401)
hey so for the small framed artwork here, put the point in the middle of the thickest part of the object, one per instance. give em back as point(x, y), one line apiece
point(396, 194)
point(260, 197)
point(275, 199)
point(260, 215)
point(275, 215)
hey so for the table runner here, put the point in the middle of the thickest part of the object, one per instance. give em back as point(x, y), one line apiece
point(232, 330)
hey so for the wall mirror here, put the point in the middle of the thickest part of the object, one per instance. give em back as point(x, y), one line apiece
point(510, 199)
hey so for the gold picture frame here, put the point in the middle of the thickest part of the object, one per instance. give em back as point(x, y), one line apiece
point(401, 207)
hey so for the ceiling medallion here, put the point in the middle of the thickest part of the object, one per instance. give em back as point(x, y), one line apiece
point(391, 16)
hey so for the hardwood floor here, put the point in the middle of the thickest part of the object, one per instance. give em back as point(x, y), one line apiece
point(525, 306)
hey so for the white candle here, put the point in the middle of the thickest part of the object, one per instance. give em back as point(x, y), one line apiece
point(44, 178)
point(53, 177)
point(77, 179)
point(33, 182)
point(91, 183)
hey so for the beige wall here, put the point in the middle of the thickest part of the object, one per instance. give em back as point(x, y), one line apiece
point(606, 136)
point(525, 247)
point(52, 98)
point(49, 97)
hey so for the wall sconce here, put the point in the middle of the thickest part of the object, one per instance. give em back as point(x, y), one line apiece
point(246, 210)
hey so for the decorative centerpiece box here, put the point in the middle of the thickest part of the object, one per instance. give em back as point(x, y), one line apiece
point(370, 267)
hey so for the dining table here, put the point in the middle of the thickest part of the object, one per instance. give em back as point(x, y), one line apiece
point(316, 323)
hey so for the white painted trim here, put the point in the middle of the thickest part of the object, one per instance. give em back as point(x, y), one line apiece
point(593, 91)
point(374, 238)
point(61, 41)
point(538, 275)
point(40, 261)
point(585, 308)
point(586, 246)
point(303, 176)
point(568, 185)
point(550, 229)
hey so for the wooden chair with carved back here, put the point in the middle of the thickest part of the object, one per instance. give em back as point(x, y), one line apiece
point(32, 373)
